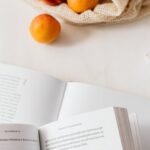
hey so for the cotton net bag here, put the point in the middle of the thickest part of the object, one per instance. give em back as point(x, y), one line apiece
point(107, 11)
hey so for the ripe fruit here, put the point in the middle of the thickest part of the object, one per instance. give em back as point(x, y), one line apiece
point(53, 2)
point(80, 6)
point(45, 28)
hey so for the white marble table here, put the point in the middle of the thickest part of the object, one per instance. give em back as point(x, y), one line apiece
point(116, 56)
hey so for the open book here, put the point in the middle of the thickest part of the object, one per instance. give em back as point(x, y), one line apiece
point(103, 129)
point(30, 97)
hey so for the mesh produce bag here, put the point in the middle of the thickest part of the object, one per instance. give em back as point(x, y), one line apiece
point(114, 11)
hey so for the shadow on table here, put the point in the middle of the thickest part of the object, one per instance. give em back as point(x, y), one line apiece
point(72, 35)
point(76, 34)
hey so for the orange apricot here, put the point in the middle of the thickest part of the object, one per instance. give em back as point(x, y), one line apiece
point(45, 28)
point(80, 6)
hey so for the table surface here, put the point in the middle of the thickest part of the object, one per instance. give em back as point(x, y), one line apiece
point(114, 56)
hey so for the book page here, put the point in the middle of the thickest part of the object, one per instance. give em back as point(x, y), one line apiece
point(135, 132)
point(94, 130)
point(28, 96)
point(81, 98)
point(18, 137)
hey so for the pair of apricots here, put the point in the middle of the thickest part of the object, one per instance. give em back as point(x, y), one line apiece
point(45, 28)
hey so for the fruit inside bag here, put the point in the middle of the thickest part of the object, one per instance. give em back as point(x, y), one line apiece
point(53, 2)
point(105, 11)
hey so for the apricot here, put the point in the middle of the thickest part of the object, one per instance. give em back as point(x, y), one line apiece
point(53, 2)
point(80, 6)
point(45, 28)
